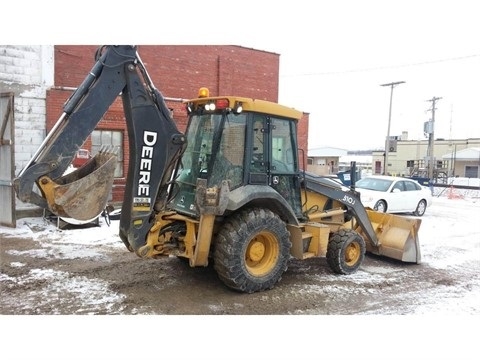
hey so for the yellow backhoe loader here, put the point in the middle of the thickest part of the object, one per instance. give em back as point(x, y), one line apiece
point(230, 191)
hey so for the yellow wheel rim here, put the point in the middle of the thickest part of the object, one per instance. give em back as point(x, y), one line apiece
point(352, 253)
point(262, 254)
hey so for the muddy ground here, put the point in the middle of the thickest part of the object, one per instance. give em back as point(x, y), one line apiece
point(45, 270)
point(122, 283)
point(41, 275)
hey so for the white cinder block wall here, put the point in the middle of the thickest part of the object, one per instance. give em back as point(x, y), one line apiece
point(27, 71)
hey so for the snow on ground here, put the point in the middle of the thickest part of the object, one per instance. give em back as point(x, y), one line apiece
point(60, 285)
point(82, 243)
point(65, 244)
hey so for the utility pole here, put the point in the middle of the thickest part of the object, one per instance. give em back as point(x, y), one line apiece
point(387, 141)
point(431, 140)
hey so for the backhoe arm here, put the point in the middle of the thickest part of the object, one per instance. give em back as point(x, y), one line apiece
point(82, 112)
point(155, 144)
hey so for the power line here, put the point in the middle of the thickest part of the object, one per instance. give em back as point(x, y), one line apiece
point(387, 67)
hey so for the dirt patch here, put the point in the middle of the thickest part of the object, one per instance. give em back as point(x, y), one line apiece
point(43, 277)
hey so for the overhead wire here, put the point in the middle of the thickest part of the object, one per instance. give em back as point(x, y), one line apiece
point(386, 67)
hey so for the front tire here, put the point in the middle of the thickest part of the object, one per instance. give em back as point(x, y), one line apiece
point(345, 251)
point(252, 250)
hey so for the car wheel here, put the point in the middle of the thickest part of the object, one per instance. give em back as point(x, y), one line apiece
point(380, 206)
point(421, 207)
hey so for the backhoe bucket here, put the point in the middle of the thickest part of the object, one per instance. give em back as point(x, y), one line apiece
point(83, 193)
point(397, 236)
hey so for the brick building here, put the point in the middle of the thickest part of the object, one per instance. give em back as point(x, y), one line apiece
point(178, 71)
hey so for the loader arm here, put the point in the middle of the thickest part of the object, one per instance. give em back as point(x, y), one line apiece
point(348, 198)
point(155, 145)
point(387, 234)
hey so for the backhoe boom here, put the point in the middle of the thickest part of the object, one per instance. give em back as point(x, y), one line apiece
point(155, 146)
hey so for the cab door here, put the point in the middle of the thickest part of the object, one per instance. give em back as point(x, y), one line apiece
point(258, 153)
point(283, 169)
point(274, 157)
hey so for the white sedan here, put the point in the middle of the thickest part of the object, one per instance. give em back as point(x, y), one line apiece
point(394, 194)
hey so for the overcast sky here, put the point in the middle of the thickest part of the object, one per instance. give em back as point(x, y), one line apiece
point(334, 55)
point(432, 46)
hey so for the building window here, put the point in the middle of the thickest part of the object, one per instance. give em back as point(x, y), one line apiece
point(410, 163)
point(471, 171)
point(109, 138)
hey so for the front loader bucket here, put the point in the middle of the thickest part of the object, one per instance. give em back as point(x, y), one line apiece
point(83, 193)
point(397, 236)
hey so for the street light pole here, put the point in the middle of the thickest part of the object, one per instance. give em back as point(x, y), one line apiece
point(387, 141)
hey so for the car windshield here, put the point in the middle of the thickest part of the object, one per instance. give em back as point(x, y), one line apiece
point(373, 184)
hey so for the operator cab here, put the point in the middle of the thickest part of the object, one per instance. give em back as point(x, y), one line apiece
point(242, 140)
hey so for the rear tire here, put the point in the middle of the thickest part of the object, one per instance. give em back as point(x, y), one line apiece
point(252, 250)
point(380, 206)
point(421, 207)
point(345, 251)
